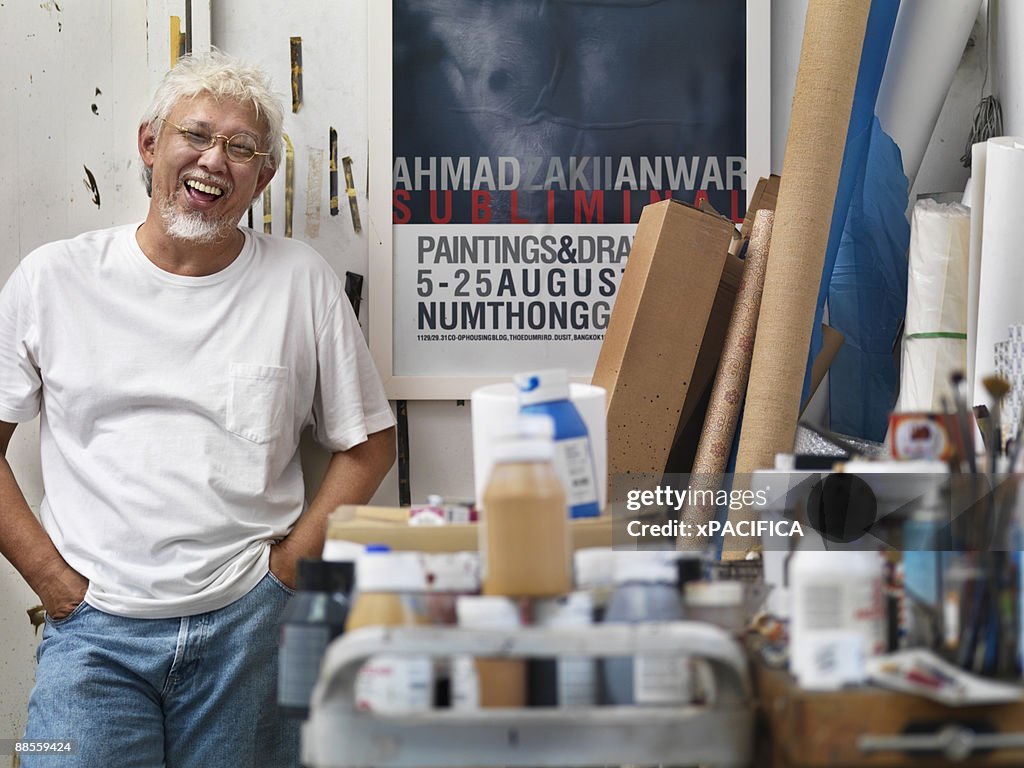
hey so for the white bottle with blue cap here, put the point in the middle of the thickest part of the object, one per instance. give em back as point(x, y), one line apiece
point(547, 393)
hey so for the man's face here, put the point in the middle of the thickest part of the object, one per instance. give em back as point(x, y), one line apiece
point(201, 195)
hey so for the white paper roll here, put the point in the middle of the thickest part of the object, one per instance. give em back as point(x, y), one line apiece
point(979, 163)
point(1007, 62)
point(494, 408)
point(1002, 268)
point(927, 45)
point(936, 304)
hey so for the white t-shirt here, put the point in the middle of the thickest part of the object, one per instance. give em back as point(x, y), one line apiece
point(171, 409)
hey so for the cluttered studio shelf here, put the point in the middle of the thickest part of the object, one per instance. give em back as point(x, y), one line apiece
point(674, 563)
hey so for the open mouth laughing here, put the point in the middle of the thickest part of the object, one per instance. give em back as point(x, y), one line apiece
point(204, 190)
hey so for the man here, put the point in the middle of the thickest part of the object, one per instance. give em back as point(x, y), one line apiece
point(174, 365)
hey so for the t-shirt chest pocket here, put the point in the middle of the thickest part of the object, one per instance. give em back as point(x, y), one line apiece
point(257, 401)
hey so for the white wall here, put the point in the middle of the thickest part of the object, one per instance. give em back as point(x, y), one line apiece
point(69, 99)
point(53, 62)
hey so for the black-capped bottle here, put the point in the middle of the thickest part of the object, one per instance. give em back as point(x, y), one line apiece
point(314, 616)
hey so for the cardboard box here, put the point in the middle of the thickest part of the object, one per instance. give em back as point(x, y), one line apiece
point(654, 336)
point(691, 420)
point(390, 525)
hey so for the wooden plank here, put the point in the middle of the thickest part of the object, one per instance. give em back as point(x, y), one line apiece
point(812, 729)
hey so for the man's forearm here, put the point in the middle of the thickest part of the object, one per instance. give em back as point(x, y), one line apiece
point(29, 549)
point(352, 477)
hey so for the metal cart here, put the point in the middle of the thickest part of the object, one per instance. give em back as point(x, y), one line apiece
point(719, 734)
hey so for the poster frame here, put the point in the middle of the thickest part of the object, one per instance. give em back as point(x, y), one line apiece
point(381, 230)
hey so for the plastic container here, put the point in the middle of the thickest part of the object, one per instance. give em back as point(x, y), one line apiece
point(834, 594)
point(594, 569)
point(449, 575)
point(314, 616)
point(524, 532)
point(721, 603)
point(390, 592)
point(566, 681)
point(478, 683)
point(546, 393)
point(645, 592)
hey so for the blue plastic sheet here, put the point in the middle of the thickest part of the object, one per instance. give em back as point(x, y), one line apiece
point(868, 295)
point(877, 37)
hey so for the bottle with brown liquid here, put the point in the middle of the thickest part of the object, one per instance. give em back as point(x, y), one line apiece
point(389, 586)
point(525, 525)
point(488, 682)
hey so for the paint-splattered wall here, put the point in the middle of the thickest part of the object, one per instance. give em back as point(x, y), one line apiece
point(73, 80)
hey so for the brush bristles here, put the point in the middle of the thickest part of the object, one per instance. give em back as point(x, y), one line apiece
point(996, 386)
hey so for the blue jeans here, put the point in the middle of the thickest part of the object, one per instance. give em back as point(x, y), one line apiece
point(146, 693)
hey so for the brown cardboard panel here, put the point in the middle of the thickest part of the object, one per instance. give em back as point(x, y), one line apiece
point(766, 195)
point(654, 337)
point(832, 340)
point(389, 525)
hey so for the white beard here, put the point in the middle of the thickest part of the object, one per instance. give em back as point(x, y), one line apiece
point(192, 226)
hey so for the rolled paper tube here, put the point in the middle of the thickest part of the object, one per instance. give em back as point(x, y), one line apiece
point(935, 332)
point(726, 401)
point(927, 46)
point(1001, 268)
point(1007, 75)
point(826, 77)
point(979, 166)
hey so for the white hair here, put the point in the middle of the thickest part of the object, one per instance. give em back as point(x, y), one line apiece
point(221, 76)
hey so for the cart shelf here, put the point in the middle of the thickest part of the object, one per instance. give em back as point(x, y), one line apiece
point(338, 735)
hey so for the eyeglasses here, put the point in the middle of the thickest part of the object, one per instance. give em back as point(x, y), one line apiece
point(240, 148)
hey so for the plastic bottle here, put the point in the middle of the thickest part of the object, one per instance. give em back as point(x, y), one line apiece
point(836, 618)
point(488, 682)
point(926, 544)
point(717, 602)
point(925, 537)
point(450, 575)
point(314, 616)
point(646, 591)
point(595, 573)
point(566, 681)
point(389, 586)
point(547, 393)
point(525, 530)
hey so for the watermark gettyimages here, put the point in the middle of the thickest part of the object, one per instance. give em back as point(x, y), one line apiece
point(863, 510)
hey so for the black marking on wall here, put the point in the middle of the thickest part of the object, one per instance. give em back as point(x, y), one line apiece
point(354, 290)
point(90, 184)
point(404, 465)
point(333, 141)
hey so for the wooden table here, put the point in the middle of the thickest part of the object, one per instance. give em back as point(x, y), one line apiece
point(807, 729)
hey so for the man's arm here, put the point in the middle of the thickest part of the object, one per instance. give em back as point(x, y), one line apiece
point(352, 478)
point(29, 549)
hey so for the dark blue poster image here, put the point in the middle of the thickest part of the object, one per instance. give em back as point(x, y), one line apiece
point(566, 111)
